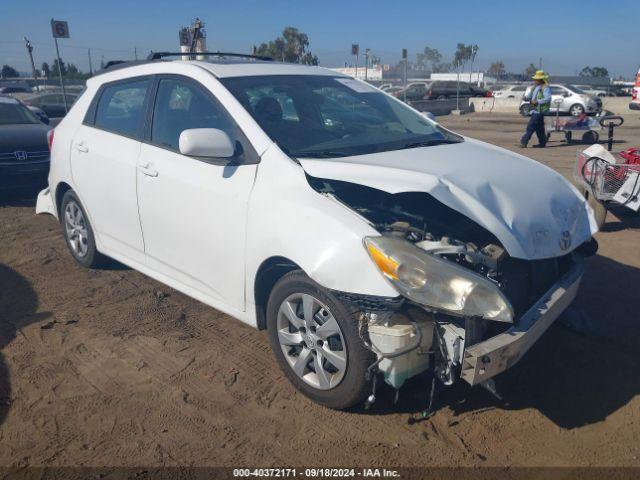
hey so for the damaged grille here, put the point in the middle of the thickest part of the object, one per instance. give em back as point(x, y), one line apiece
point(525, 281)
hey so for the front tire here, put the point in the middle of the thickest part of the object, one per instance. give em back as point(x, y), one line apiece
point(315, 340)
point(78, 233)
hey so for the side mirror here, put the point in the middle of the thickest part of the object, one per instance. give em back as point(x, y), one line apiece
point(206, 142)
point(566, 94)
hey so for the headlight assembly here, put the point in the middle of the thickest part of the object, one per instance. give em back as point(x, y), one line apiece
point(437, 283)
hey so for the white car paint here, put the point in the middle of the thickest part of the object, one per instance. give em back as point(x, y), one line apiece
point(529, 225)
point(563, 98)
point(206, 229)
point(510, 91)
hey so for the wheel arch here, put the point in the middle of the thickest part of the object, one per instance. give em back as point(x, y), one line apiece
point(270, 271)
point(61, 189)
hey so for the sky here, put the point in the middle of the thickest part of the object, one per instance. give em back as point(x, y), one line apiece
point(567, 34)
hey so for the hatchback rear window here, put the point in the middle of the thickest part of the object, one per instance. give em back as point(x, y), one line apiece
point(120, 107)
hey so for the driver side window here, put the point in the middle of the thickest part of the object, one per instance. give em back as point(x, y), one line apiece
point(181, 105)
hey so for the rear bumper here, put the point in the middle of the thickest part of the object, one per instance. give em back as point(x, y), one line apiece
point(486, 359)
point(634, 106)
point(44, 203)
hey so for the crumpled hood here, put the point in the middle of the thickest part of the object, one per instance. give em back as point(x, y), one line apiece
point(531, 209)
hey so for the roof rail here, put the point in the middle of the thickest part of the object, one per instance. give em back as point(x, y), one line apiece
point(160, 55)
point(118, 64)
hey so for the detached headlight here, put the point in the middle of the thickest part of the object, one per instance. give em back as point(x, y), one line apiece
point(437, 283)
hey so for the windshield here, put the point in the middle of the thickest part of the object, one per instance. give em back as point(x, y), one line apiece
point(14, 113)
point(575, 89)
point(327, 117)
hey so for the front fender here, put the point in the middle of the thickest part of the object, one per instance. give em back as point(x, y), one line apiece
point(287, 218)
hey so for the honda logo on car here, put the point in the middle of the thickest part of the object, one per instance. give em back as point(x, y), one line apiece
point(20, 155)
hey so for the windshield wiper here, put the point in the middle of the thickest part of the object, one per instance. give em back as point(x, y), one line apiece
point(429, 143)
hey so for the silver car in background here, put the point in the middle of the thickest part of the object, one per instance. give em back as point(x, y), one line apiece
point(565, 99)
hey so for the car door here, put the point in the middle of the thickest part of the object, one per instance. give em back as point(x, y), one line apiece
point(104, 154)
point(193, 210)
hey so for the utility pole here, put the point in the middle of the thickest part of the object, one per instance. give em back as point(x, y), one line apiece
point(33, 65)
point(540, 64)
point(404, 75)
point(135, 52)
point(366, 64)
point(355, 50)
point(90, 64)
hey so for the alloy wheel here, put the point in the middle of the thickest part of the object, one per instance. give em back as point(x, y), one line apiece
point(576, 110)
point(76, 229)
point(312, 341)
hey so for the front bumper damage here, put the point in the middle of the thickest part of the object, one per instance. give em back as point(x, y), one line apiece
point(458, 351)
point(488, 358)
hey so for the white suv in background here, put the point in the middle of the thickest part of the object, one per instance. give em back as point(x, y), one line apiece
point(571, 99)
point(359, 233)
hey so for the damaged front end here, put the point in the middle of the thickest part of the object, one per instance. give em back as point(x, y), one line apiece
point(466, 307)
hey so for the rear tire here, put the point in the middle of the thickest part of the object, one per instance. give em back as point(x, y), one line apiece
point(311, 330)
point(78, 232)
point(576, 110)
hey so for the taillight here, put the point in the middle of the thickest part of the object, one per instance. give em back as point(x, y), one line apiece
point(489, 94)
point(634, 95)
point(50, 139)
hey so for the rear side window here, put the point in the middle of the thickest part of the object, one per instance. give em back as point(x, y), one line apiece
point(121, 107)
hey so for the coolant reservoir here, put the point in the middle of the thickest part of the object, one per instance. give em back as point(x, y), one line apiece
point(395, 335)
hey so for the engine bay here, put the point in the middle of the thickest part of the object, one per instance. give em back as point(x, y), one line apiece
point(440, 230)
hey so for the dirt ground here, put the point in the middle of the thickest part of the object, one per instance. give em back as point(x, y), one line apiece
point(110, 368)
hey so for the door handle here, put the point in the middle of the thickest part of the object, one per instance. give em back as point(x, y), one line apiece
point(148, 171)
point(81, 148)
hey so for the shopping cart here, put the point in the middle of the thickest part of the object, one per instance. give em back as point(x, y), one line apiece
point(607, 180)
point(588, 127)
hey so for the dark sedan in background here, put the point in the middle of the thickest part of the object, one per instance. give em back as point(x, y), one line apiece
point(24, 151)
point(440, 90)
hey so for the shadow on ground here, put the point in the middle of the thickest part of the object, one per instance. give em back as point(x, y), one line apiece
point(627, 219)
point(573, 377)
point(18, 306)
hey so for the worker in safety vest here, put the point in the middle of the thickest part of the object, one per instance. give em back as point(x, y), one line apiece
point(540, 102)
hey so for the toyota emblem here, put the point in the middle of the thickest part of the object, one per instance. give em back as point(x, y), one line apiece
point(565, 240)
